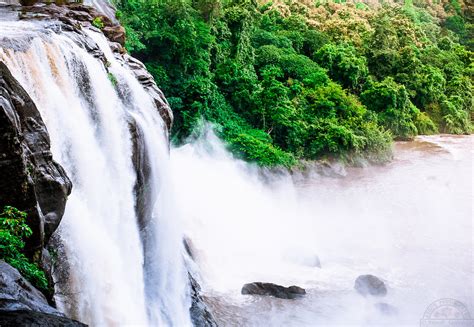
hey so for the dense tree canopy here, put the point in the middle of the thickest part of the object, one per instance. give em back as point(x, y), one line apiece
point(291, 80)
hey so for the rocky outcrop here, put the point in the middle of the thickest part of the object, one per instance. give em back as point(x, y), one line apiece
point(35, 319)
point(270, 289)
point(370, 285)
point(200, 314)
point(30, 179)
point(145, 79)
point(23, 305)
point(16, 293)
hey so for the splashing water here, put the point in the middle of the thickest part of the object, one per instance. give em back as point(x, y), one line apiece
point(120, 273)
point(409, 223)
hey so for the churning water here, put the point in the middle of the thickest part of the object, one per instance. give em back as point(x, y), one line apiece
point(409, 223)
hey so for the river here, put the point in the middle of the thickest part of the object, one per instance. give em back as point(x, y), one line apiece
point(408, 222)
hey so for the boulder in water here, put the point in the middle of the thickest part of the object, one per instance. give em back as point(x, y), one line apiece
point(370, 285)
point(270, 289)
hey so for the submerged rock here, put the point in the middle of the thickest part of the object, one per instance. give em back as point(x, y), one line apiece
point(270, 289)
point(370, 285)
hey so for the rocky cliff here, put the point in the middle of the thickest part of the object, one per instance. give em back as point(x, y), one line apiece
point(23, 305)
point(30, 179)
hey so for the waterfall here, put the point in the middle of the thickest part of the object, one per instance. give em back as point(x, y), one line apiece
point(120, 271)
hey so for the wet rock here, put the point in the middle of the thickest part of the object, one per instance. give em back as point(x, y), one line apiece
point(29, 177)
point(370, 285)
point(35, 319)
point(115, 34)
point(143, 188)
point(201, 316)
point(270, 289)
point(16, 293)
point(117, 48)
point(189, 247)
point(386, 308)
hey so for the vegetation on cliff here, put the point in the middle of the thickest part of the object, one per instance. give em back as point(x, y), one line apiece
point(13, 232)
point(291, 80)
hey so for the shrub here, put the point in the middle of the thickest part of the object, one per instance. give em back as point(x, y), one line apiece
point(97, 22)
point(13, 232)
point(344, 65)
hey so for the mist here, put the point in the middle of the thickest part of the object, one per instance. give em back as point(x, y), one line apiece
point(408, 223)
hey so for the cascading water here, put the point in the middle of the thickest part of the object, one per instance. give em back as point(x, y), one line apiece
point(409, 223)
point(120, 272)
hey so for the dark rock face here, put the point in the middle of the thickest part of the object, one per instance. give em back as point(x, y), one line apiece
point(189, 247)
point(115, 33)
point(16, 293)
point(29, 177)
point(35, 319)
point(270, 289)
point(370, 285)
point(23, 305)
point(143, 190)
point(200, 314)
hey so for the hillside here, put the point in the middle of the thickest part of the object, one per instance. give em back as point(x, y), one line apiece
point(290, 80)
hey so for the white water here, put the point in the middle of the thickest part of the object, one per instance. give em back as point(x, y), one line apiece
point(409, 223)
point(113, 280)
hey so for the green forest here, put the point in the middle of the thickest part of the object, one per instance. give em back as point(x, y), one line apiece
point(286, 81)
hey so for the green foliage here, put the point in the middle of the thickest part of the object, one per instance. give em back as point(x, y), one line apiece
point(112, 78)
point(455, 119)
point(344, 65)
point(290, 80)
point(13, 232)
point(390, 101)
point(97, 22)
